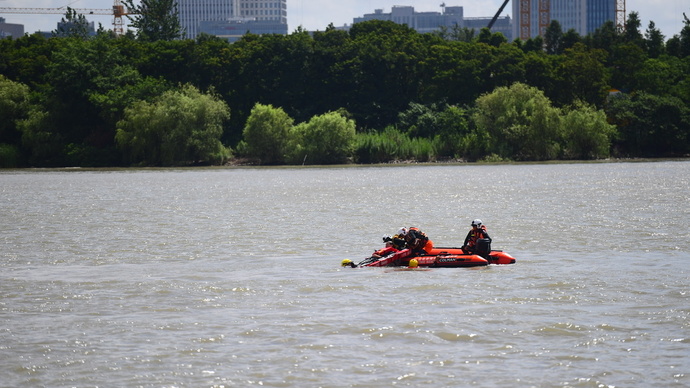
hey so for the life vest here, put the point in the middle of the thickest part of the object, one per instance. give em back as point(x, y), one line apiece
point(416, 240)
point(474, 236)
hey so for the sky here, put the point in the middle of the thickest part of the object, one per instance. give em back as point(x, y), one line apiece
point(318, 14)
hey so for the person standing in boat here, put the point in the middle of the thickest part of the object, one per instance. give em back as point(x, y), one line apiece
point(478, 240)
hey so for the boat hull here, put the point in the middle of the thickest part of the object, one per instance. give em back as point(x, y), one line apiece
point(494, 257)
point(439, 258)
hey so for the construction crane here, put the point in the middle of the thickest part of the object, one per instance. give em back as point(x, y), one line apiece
point(491, 23)
point(544, 18)
point(118, 11)
point(620, 15)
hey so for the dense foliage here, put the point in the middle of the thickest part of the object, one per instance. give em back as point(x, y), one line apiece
point(377, 93)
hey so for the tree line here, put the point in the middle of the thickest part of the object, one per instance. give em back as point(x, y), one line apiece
point(377, 93)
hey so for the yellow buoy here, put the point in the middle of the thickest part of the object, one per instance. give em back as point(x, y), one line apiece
point(345, 262)
point(413, 263)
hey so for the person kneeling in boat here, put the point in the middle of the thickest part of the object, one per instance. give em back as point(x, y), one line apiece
point(478, 241)
point(416, 243)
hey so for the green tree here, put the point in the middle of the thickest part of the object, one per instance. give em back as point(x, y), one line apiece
point(325, 139)
point(582, 75)
point(628, 61)
point(521, 122)
point(553, 38)
point(43, 146)
point(456, 137)
point(540, 72)
point(14, 107)
point(421, 120)
point(684, 42)
point(80, 74)
point(587, 133)
point(179, 127)
point(632, 34)
point(492, 39)
point(662, 76)
point(458, 72)
point(457, 33)
point(332, 69)
point(266, 134)
point(651, 125)
point(605, 37)
point(570, 38)
point(654, 41)
point(155, 19)
point(535, 44)
point(387, 68)
point(73, 24)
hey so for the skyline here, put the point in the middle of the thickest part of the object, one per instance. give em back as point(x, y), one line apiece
point(315, 15)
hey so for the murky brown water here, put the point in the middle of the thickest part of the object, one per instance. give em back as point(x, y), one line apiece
point(231, 277)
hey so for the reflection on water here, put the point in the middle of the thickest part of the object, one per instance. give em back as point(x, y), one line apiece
point(231, 277)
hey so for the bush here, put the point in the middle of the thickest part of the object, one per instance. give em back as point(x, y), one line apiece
point(9, 156)
point(521, 123)
point(178, 127)
point(587, 133)
point(391, 145)
point(266, 134)
point(325, 139)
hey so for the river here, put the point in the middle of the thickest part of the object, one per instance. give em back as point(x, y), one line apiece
point(223, 277)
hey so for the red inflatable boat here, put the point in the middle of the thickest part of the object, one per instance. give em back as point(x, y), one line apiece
point(436, 258)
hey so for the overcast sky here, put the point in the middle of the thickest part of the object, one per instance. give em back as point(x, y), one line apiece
point(317, 14)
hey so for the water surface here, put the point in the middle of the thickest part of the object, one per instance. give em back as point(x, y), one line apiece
point(231, 277)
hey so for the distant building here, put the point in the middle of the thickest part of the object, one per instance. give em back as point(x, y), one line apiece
point(66, 28)
point(192, 12)
point(420, 21)
point(218, 17)
point(233, 30)
point(504, 25)
point(264, 11)
point(449, 17)
point(9, 30)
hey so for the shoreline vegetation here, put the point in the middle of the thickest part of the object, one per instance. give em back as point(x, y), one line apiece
point(392, 164)
point(379, 94)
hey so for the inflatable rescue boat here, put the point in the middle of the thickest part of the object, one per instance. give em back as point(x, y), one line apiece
point(436, 258)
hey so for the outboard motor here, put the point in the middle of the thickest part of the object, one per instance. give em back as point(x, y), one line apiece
point(483, 247)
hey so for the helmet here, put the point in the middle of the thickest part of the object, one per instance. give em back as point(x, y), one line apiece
point(387, 238)
point(477, 223)
point(402, 232)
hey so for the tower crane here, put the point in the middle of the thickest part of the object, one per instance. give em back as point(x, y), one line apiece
point(544, 9)
point(118, 11)
point(491, 23)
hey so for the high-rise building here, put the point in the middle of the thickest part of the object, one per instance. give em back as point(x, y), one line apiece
point(192, 12)
point(261, 10)
point(532, 17)
point(599, 12)
point(232, 17)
